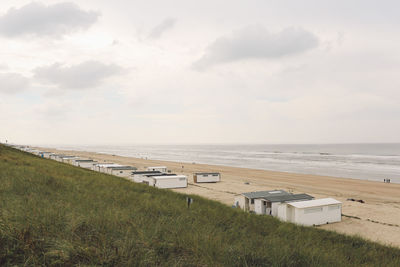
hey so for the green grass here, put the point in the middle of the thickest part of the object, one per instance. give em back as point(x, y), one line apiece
point(55, 214)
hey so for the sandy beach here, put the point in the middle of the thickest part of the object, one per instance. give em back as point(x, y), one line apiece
point(378, 219)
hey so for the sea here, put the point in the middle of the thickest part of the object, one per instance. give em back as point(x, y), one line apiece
point(374, 162)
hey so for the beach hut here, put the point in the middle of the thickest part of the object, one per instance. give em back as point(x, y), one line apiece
point(71, 160)
point(68, 159)
point(311, 212)
point(84, 163)
point(97, 166)
point(137, 176)
point(104, 167)
point(158, 168)
point(269, 204)
point(46, 155)
point(59, 157)
point(123, 171)
point(53, 156)
point(206, 177)
point(168, 181)
point(246, 201)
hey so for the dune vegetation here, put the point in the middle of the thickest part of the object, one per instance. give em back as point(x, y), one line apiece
point(56, 214)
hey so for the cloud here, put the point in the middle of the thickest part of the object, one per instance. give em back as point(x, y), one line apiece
point(12, 83)
point(85, 75)
point(37, 19)
point(164, 26)
point(256, 42)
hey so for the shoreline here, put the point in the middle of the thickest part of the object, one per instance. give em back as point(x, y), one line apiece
point(377, 219)
point(350, 170)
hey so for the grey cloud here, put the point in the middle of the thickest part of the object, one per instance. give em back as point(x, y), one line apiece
point(12, 83)
point(85, 75)
point(256, 42)
point(161, 28)
point(40, 20)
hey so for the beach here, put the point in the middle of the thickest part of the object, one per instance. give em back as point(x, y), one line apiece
point(378, 219)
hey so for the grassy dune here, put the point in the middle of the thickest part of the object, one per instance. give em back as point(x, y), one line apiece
point(55, 214)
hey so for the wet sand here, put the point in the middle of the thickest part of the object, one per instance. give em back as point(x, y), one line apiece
point(378, 219)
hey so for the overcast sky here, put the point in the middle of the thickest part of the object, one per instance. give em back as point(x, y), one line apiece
point(227, 71)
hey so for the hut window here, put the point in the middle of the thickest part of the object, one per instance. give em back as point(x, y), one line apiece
point(252, 201)
point(335, 207)
point(215, 175)
point(312, 210)
point(120, 171)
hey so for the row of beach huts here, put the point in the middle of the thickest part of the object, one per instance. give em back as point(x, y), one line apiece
point(296, 208)
point(158, 176)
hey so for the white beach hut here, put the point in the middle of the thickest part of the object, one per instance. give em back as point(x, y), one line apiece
point(104, 167)
point(162, 169)
point(269, 204)
point(53, 156)
point(169, 181)
point(311, 212)
point(123, 171)
point(45, 154)
point(97, 166)
point(206, 177)
point(246, 201)
point(59, 157)
point(68, 159)
point(138, 176)
point(71, 160)
point(84, 163)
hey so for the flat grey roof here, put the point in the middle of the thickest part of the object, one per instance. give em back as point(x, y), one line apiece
point(207, 173)
point(85, 160)
point(159, 174)
point(290, 197)
point(120, 168)
point(145, 172)
point(265, 194)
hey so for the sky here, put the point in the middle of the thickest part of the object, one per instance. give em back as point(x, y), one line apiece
point(199, 72)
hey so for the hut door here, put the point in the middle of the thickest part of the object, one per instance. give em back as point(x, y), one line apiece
point(268, 210)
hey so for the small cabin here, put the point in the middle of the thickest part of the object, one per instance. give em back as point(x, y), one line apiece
point(168, 181)
point(53, 156)
point(269, 205)
point(71, 160)
point(162, 169)
point(123, 171)
point(101, 167)
point(45, 154)
point(104, 167)
point(206, 177)
point(68, 159)
point(312, 212)
point(84, 163)
point(59, 157)
point(137, 176)
point(246, 201)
